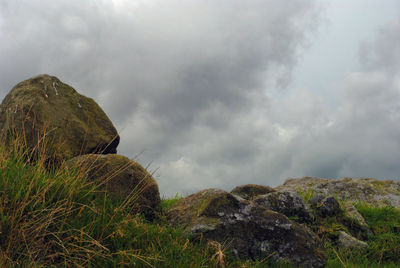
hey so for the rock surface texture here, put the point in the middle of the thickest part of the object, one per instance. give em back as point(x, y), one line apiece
point(352, 213)
point(287, 203)
point(372, 191)
point(325, 206)
point(347, 241)
point(252, 231)
point(121, 177)
point(44, 109)
point(250, 191)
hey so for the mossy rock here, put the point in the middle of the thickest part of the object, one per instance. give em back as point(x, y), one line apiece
point(250, 191)
point(253, 231)
point(287, 203)
point(366, 190)
point(122, 178)
point(46, 113)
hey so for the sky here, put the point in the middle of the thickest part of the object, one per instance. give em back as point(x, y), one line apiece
point(219, 93)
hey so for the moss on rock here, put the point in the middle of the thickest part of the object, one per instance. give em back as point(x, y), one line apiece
point(45, 112)
point(250, 191)
point(122, 178)
point(287, 203)
point(371, 191)
point(252, 230)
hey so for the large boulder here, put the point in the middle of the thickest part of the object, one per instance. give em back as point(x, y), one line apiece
point(45, 112)
point(122, 178)
point(251, 230)
point(372, 191)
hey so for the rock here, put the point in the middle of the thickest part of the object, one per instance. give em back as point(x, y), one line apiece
point(315, 201)
point(287, 203)
point(252, 230)
point(122, 178)
point(351, 212)
point(71, 123)
point(371, 191)
point(328, 207)
point(347, 241)
point(249, 191)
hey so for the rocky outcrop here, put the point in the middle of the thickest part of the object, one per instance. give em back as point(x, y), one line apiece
point(287, 203)
point(45, 112)
point(122, 178)
point(371, 191)
point(252, 230)
point(249, 191)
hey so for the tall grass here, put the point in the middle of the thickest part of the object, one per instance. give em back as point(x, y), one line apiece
point(55, 216)
point(52, 216)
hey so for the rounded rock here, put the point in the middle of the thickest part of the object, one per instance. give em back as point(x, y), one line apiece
point(45, 112)
point(122, 178)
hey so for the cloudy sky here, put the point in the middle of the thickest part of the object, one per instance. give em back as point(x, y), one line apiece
point(218, 93)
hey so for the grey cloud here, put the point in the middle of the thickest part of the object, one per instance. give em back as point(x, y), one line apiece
point(188, 83)
point(384, 52)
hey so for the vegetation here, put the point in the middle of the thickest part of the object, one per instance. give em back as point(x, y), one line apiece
point(55, 217)
point(382, 236)
point(383, 239)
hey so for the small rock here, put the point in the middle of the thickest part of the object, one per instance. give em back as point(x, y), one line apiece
point(325, 207)
point(315, 200)
point(352, 213)
point(350, 242)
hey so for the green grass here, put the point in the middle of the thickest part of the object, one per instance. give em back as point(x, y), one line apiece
point(167, 203)
point(383, 240)
point(55, 217)
point(58, 218)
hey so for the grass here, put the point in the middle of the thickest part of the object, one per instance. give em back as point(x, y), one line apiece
point(167, 203)
point(56, 217)
point(383, 238)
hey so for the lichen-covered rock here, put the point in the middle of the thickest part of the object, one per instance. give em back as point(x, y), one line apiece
point(122, 178)
point(43, 109)
point(351, 212)
point(287, 203)
point(326, 207)
point(252, 230)
point(250, 191)
point(315, 201)
point(347, 241)
point(372, 191)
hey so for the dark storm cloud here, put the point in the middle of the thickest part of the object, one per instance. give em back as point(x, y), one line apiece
point(189, 82)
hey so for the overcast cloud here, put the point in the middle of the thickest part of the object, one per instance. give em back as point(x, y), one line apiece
point(204, 89)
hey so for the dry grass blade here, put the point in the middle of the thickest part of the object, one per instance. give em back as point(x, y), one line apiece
point(219, 256)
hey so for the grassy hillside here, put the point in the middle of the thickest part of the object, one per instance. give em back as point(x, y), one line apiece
point(59, 218)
